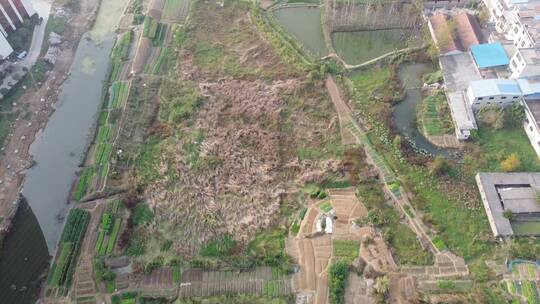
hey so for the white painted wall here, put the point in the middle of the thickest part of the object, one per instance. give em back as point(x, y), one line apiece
point(532, 131)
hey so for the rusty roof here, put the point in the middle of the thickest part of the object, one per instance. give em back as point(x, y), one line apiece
point(468, 30)
point(439, 23)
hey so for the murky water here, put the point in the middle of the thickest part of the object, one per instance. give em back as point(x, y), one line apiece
point(304, 23)
point(23, 258)
point(361, 46)
point(59, 150)
point(405, 112)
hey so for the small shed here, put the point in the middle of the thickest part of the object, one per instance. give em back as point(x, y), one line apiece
point(489, 55)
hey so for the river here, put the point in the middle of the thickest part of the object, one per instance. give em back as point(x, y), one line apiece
point(58, 151)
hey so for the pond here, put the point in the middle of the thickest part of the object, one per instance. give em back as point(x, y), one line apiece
point(361, 46)
point(404, 114)
point(304, 24)
point(526, 228)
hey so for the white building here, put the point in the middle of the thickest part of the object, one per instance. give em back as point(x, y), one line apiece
point(532, 123)
point(5, 47)
point(500, 92)
point(525, 63)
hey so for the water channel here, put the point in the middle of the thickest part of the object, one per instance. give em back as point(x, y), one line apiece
point(404, 114)
point(58, 151)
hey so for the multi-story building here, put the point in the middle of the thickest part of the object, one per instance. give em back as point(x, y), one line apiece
point(12, 15)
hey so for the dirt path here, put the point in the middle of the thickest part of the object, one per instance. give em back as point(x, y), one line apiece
point(351, 124)
point(15, 157)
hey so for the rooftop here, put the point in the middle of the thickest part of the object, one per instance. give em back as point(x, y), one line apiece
point(508, 191)
point(442, 34)
point(468, 30)
point(495, 87)
point(458, 71)
point(489, 55)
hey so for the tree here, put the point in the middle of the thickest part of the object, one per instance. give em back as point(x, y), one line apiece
point(511, 163)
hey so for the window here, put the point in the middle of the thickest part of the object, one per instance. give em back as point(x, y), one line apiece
point(530, 128)
point(515, 97)
point(504, 97)
point(491, 98)
point(480, 98)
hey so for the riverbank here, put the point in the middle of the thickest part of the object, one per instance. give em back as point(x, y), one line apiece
point(16, 158)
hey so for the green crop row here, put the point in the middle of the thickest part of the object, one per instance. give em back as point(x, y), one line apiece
point(70, 242)
point(150, 27)
point(75, 225)
point(160, 34)
point(106, 222)
point(103, 135)
point(82, 185)
point(114, 235)
point(164, 55)
point(61, 264)
point(116, 68)
point(102, 153)
point(119, 94)
point(121, 49)
point(99, 242)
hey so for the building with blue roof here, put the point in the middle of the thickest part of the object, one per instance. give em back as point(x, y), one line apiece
point(489, 55)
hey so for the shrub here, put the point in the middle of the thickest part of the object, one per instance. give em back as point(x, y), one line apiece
point(511, 163)
point(142, 214)
point(439, 166)
point(508, 214)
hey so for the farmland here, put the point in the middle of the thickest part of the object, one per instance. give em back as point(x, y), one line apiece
point(61, 273)
point(111, 221)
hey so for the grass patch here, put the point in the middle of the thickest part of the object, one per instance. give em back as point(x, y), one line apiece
point(142, 214)
point(221, 247)
point(326, 207)
point(346, 250)
point(208, 55)
point(495, 145)
point(406, 247)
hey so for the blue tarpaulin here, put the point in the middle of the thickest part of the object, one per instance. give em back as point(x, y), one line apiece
point(489, 55)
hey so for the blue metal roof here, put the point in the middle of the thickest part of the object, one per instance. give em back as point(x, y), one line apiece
point(509, 88)
point(489, 55)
